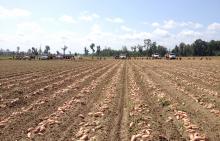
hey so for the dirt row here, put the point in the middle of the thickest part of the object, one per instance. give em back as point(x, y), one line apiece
point(183, 101)
point(112, 100)
point(48, 102)
point(15, 100)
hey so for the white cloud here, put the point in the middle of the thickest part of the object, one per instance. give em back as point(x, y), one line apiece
point(67, 19)
point(86, 16)
point(161, 32)
point(127, 29)
point(48, 19)
point(169, 24)
point(28, 28)
point(190, 33)
point(15, 12)
point(96, 28)
point(191, 25)
point(155, 24)
point(115, 20)
point(135, 36)
point(214, 26)
point(146, 23)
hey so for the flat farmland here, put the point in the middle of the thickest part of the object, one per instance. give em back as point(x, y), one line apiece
point(129, 100)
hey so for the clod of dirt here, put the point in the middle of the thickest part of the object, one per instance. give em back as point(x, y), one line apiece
point(169, 119)
point(2, 106)
point(84, 138)
point(145, 137)
point(79, 134)
point(2, 125)
point(81, 116)
point(131, 124)
point(29, 134)
point(133, 138)
point(30, 129)
point(18, 91)
point(136, 137)
point(98, 127)
point(210, 106)
point(15, 102)
point(197, 137)
point(98, 114)
point(90, 114)
point(162, 138)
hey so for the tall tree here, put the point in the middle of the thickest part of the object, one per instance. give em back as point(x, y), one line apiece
point(124, 49)
point(34, 52)
point(47, 49)
point(182, 49)
point(92, 47)
point(40, 51)
point(18, 49)
point(86, 51)
point(64, 49)
point(58, 53)
point(199, 47)
point(29, 51)
point(147, 45)
point(98, 50)
point(140, 50)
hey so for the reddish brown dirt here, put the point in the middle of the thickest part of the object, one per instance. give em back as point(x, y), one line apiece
point(159, 100)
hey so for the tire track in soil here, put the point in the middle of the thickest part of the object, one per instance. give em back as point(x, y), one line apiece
point(95, 125)
point(124, 133)
point(41, 109)
point(161, 129)
point(92, 119)
point(139, 127)
point(119, 130)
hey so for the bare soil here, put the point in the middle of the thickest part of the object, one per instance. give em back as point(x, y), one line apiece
point(110, 100)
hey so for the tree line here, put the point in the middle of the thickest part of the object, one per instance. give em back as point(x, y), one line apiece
point(148, 47)
point(197, 48)
point(34, 51)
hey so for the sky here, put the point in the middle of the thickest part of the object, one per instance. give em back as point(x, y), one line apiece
point(108, 23)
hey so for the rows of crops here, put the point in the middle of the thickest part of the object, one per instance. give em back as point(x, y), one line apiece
point(110, 100)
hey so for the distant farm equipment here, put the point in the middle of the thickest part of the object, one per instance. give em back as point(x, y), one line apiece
point(170, 56)
point(156, 56)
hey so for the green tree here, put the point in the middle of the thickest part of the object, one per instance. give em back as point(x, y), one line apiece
point(40, 51)
point(199, 47)
point(47, 49)
point(140, 50)
point(86, 51)
point(92, 47)
point(18, 49)
point(98, 50)
point(34, 52)
point(64, 50)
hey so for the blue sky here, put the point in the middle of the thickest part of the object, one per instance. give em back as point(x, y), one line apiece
point(77, 23)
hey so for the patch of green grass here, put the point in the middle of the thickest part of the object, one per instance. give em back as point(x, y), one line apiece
point(5, 57)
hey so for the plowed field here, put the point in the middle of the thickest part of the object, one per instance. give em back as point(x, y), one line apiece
point(129, 100)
